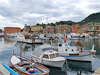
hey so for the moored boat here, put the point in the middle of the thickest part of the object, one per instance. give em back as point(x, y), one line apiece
point(73, 53)
point(26, 66)
point(45, 54)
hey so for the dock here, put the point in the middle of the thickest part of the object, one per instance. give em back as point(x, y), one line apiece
point(3, 71)
point(97, 72)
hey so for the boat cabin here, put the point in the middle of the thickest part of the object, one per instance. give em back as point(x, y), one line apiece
point(50, 54)
point(66, 48)
point(45, 51)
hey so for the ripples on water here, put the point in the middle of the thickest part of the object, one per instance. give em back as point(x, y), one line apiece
point(7, 45)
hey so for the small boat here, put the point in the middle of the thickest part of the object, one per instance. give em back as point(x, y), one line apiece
point(26, 66)
point(5, 70)
point(45, 54)
point(73, 53)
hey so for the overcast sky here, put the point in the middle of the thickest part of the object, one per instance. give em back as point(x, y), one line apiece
point(17, 13)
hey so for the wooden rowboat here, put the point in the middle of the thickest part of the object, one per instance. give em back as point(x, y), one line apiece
point(27, 67)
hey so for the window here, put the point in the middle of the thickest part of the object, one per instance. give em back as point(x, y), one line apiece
point(97, 28)
point(60, 45)
point(57, 55)
point(45, 56)
point(66, 44)
point(72, 50)
point(52, 56)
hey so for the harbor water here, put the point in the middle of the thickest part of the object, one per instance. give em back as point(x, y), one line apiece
point(7, 45)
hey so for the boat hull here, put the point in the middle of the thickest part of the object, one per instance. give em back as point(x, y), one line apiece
point(84, 58)
point(49, 63)
point(53, 63)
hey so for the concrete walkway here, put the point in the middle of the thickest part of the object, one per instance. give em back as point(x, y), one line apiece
point(3, 71)
point(97, 72)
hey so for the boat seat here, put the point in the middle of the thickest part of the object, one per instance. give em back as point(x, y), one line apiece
point(23, 63)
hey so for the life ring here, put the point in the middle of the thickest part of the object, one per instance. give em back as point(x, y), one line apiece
point(31, 70)
point(50, 51)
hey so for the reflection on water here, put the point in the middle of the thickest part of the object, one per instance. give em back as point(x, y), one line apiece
point(69, 68)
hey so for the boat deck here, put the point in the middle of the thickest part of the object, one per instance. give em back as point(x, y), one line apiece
point(85, 52)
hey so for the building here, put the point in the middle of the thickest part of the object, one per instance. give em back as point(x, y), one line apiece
point(12, 30)
point(26, 28)
point(61, 28)
point(50, 30)
point(44, 30)
point(37, 29)
point(84, 28)
point(76, 28)
point(93, 28)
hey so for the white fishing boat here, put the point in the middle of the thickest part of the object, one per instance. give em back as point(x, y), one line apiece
point(74, 53)
point(45, 54)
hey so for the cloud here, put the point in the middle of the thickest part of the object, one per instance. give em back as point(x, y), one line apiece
point(20, 12)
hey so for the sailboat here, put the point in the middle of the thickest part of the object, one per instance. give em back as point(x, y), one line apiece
point(26, 66)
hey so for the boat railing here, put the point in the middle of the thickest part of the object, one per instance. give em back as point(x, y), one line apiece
point(34, 56)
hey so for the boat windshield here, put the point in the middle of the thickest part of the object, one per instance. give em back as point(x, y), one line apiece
point(56, 54)
point(51, 56)
point(45, 56)
point(46, 49)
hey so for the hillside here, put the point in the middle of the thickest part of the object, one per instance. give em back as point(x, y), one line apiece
point(95, 17)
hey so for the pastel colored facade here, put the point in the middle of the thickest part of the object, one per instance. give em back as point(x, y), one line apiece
point(44, 30)
point(12, 30)
point(84, 28)
point(50, 29)
point(26, 28)
point(61, 28)
point(37, 29)
point(76, 28)
point(57, 28)
point(93, 28)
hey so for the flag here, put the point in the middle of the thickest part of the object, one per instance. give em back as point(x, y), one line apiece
point(50, 42)
point(65, 36)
